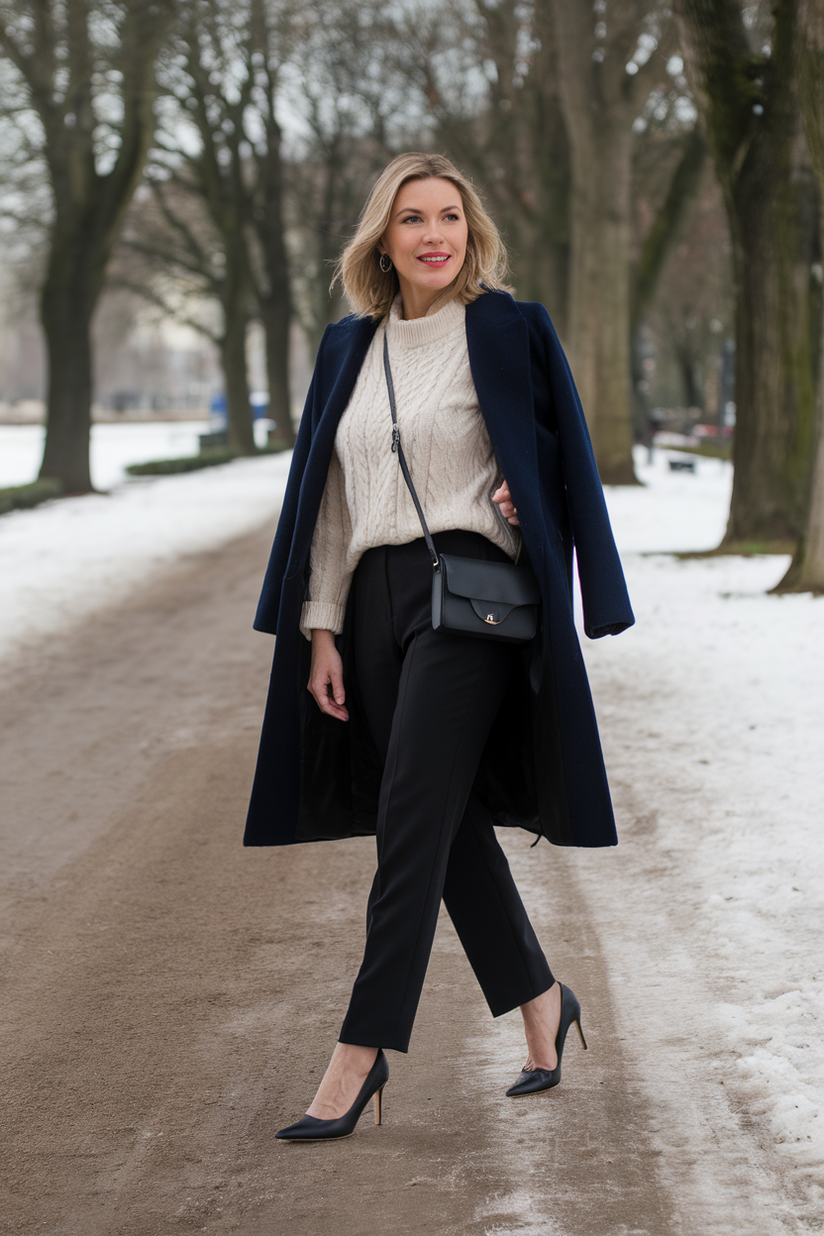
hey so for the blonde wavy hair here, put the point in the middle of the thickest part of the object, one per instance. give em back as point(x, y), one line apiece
point(371, 291)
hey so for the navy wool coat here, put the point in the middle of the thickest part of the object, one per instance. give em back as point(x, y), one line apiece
point(318, 778)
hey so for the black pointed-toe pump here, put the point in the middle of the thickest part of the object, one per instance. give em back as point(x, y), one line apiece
point(310, 1129)
point(533, 1081)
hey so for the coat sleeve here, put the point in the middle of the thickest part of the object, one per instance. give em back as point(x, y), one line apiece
point(606, 605)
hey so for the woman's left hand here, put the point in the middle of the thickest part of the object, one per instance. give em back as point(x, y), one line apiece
point(504, 499)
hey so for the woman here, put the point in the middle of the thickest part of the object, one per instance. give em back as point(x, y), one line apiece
point(423, 737)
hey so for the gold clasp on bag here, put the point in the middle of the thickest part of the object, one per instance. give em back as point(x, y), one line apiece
point(490, 618)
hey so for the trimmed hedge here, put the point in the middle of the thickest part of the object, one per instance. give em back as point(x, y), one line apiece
point(188, 463)
point(710, 449)
point(22, 497)
point(212, 457)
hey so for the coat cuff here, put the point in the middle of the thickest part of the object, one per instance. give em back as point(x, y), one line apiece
point(318, 615)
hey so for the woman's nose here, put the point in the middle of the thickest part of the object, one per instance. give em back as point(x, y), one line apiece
point(433, 232)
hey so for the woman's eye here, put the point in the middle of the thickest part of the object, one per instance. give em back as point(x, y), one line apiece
point(448, 218)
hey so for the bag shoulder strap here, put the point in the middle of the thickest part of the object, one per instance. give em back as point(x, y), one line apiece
point(396, 447)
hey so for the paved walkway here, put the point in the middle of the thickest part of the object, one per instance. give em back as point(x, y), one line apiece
point(170, 999)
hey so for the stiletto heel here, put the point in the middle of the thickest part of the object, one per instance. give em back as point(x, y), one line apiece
point(310, 1129)
point(533, 1081)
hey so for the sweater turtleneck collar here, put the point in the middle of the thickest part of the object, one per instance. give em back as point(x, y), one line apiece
point(448, 320)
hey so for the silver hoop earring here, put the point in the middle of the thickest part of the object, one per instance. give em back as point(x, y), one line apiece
point(385, 263)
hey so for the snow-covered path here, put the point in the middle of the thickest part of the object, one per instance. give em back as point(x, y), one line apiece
point(712, 715)
point(709, 912)
point(62, 561)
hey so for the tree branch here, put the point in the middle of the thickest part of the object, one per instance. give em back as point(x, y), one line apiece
point(657, 244)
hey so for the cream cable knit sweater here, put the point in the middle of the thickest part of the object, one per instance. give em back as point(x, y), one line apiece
point(366, 502)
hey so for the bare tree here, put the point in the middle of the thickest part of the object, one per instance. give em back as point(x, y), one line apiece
point(350, 99)
point(691, 313)
point(172, 255)
point(669, 158)
point(222, 141)
point(746, 84)
point(487, 76)
point(682, 185)
point(86, 68)
point(268, 37)
point(806, 571)
point(609, 57)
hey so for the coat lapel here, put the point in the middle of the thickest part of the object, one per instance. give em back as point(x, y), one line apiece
point(498, 342)
point(348, 343)
point(335, 381)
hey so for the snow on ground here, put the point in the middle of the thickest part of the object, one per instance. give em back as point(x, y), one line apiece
point(62, 561)
point(113, 447)
point(718, 700)
point(718, 689)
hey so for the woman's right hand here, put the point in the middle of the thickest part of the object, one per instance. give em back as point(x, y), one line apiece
point(326, 676)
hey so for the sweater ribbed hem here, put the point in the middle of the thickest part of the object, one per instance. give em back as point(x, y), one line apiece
point(321, 616)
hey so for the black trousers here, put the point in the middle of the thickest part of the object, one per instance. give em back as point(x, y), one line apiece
point(429, 700)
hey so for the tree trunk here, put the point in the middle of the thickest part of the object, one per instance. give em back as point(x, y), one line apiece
point(276, 317)
point(806, 572)
point(67, 301)
point(275, 302)
point(775, 383)
point(273, 292)
point(544, 263)
point(71, 74)
point(599, 302)
point(750, 107)
point(328, 306)
point(241, 436)
point(530, 200)
point(600, 100)
point(690, 379)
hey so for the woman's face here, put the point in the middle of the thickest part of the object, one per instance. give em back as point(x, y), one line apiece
point(426, 240)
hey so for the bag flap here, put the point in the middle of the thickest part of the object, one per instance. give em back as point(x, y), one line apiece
point(492, 612)
point(481, 580)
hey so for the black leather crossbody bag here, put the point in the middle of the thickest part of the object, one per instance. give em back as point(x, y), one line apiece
point(471, 596)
